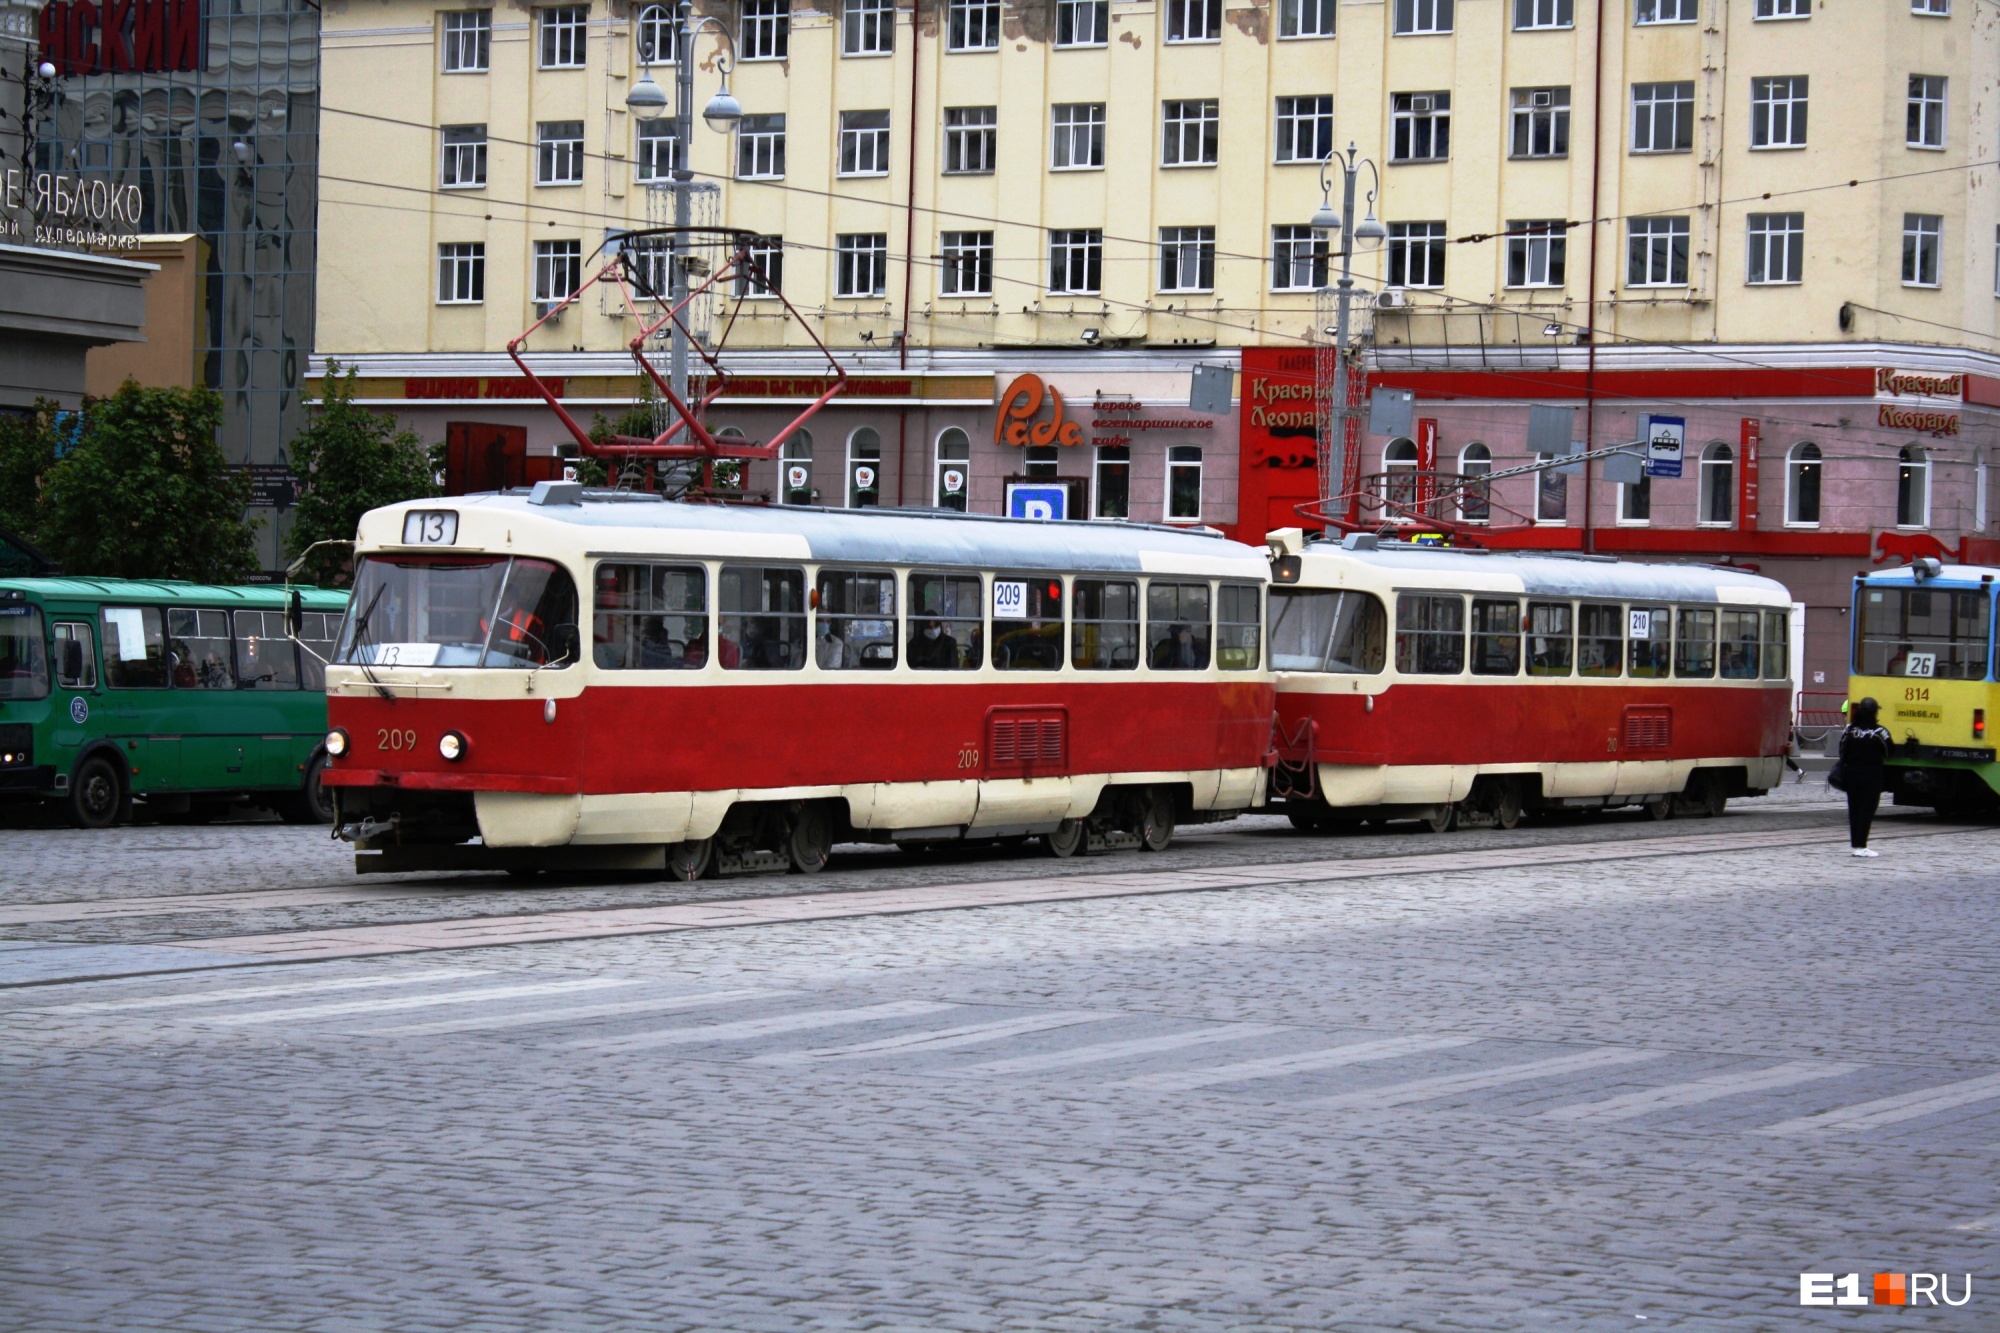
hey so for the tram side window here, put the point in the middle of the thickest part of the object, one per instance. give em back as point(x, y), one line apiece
point(1176, 626)
point(1940, 633)
point(1777, 645)
point(1027, 623)
point(1600, 640)
point(763, 618)
point(265, 658)
point(1496, 637)
point(1550, 645)
point(944, 614)
point(1430, 635)
point(1649, 632)
point(1104, 625)
point(76, 669)
point(319, 632)
point(1346, 633)
point(1740, 658)
point(135, 648)
point(857, 620)
point(1239, 631)
point(651, 618)
point(1694, 645)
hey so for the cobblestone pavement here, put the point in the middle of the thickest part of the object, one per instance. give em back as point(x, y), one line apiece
point(1635, 1094)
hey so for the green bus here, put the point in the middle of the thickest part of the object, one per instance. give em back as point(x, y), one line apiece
point(182, 696)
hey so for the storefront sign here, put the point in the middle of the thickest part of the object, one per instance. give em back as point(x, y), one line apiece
point(1427, 460)
point(1918, 384)
point(807, 389)
point(1031, 501)
point(1015, 422)
point(1940, 424)
point(122, 36)
point(472, 386)
point(1752, 440)
point(272, 485)
point(1128, 418)
point(45, 208)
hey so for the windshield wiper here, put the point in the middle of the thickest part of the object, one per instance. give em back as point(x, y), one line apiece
point(361, 641)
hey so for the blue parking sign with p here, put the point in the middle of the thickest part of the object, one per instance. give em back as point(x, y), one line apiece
point(1037, 501)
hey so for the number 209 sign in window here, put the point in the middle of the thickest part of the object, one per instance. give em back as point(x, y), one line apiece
point(430, 527)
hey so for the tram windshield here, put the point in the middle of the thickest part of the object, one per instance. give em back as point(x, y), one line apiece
point(460, 611)
point(1938, 632)
point(24, 658)
point(1315, 630)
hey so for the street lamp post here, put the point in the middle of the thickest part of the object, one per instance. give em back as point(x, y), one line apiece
point(1370, 232)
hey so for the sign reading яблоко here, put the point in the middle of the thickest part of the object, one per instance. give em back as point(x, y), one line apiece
point(68, 210)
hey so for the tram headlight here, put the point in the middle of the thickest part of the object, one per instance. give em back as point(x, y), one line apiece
point(336, 742)
point(452, 746)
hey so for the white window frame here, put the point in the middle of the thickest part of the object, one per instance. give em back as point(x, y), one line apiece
point(562, 36)
point(1923, 234)
point(1539, 116)
point(1194, 123)
point(797, 448)
point(1428, 239)
point(1301, 20)
point(1082, 24)
point(1179, 462)
point(1550, 520)
point(1913, 461)
point(867, 28)
point(858, 455)
point(1778, 110)
point(1544, 15)
point(461, 165)
point(1657, 235)
point(1797, 461)
point(1981, 477)
point(1298, 251)
point(558, 157)
point(975, 135)
point(1647, 13)
point(768, 252)
point(555, 260)
point(764, 30)
point(1303, 128)
point(1414, 115)
point(965, 265)
point(1076, 252)
point(1996, 261)
point(760, 145)
point(1783, 9)
point(1630, 494)
point(1940, 9)
point(1775, 252)
point(1400, 485)
point(1647, 108)
point(1717, 457)
point(1924, 119)
point(972, 25)
point(1422, 18)
point(658, 35)
point(1536, 250)
point(1191, 22)
point(653, 150)
point(461, 273)
point(864, 144)
point(857, 256)
point(961, 459)
point(1071, 123)
point(1475, 464)
point(1182, 249)
point(468, 41)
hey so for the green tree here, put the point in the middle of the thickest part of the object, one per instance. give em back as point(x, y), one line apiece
point(27, 452)
point(145, 492)
point(349, 461)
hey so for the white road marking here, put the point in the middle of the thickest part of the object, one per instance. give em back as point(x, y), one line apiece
point(764, 1027)
point(417, 1001)
point(259, 992)
point(1388, 1048)
point(1475, 1080)
point(1892, 1110)
point(1980, 1224)
point(1630, 1104)
point(1121, 1050)
point(487, 1022)
point(970, 1035)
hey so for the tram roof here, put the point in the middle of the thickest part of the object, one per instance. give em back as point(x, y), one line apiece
point(881, 536)
point(1553, 575)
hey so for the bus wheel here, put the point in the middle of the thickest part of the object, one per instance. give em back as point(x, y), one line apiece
point(312, 803)
point(1066, 839)
point(1441, 818)
point(689, 861)
point(809, 839)
point(1156, 822)
point(96, 795)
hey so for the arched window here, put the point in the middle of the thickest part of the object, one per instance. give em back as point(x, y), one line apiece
point(1718, 485)
point(1802, 468)
point(1913, 488)
point(727, 473)
point(954, 469)
point(1979, 490)
point(659, 28)
point(864, 469)
point(795, 470)
point(1475, 501)
point(1399, 473)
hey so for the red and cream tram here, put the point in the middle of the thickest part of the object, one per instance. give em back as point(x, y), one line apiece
point(573, 679)
point(1452, 685)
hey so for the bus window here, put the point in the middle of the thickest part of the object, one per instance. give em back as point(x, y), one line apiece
point(1550, 646)
point(24, 658)
point(763, 618)
point(1496, 637)
point(650, 617)
point(1600, 640)
point(1027, 623)
point(1945, 631)
point(1104, 625)
point(135, 648)
point(1239, 633)
point(1649, 633)
point(1430, 635)
point(1740, 660)
point(1694, 645)
point(1777, 645)
point(318, 632)
point(265, 658)
point(1177, 626)
point(857, 620)
point(76, 668)
point(1341, 632)
point(199, 644)
point(945, 614)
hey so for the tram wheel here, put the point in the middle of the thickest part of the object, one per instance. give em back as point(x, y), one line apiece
point(1156, 822)
point(1507, 806)
point(1307, 822)
point(1067, 839)
point(1441, 818)
point(809, 839)
point(1660, 807)
point(96, 796)
point(689, 861)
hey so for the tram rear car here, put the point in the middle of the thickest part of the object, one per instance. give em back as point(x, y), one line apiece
point(1464, 686)
point(582, 680)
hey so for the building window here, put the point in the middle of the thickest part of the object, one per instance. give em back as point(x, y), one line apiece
point(795, 473)
point(1076, 261)
point(1541, 122)
point(659, 35)
point(1923, 239)
point(1475, 497)
point(1298, 259)
point(1421, 127)
point(1194, 20)
point(1913, 488)
point(967, 268)
point(868, 28)
point(864, 143)
point(1778, 112)
point(1663, 117)
point(1784, 9)
point(760, 147)
point(1416, 254)
point(768, 254)
point(1777, 248)
point(765, 32)
point(1530, 14)
point(1184, 483)
point(1551, 493)
point(1305, 18)
point(1979, 482)
point(1537, 253)
point(1041, 460)
point(973, 25)
point(1305, 128)
point(1925, 122)
point(1415, 18)
point(468, 41)
point(1657, 252)
point(1114, 481)
point(1718, 486)
point(861, 264)
point(1665, 11)
point(1802, 467)
point(1187, 259)
point(864, 469)
point(558, 270)
point(1940, 8)
point(953, 469)
point(462, 273)
point(969, 140)
point(559, 152)
point(1083, 22)
point(1399, 475)
point(1996, 261)
point(653, 159)
point(563, 32)
point(647, 264)
point(1078, 136)
point(463, 165)
point(1635, 500)
point(1189, 133)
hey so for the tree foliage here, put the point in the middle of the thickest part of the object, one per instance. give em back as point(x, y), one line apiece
point(27, 452)
point(349, 461)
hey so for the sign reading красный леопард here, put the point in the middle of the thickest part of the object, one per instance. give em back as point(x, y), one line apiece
point(46, 208)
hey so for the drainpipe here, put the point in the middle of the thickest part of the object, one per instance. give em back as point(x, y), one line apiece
point(1590, 296)
point(909, 261)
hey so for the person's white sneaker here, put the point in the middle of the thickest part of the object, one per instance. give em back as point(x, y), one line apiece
point(1866, 851)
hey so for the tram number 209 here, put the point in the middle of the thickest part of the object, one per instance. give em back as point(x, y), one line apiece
point(968, 758)
point(390, 738)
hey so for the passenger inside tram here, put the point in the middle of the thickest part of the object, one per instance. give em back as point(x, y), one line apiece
point(932, 647)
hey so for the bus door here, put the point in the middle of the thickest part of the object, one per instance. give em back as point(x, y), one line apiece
point(138, 713)
point(215, 751)
point(79, 710)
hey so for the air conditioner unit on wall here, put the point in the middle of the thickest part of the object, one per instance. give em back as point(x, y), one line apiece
point(1391, 298)
point(542, 309)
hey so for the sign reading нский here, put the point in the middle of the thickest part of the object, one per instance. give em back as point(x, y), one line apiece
point(121, 36)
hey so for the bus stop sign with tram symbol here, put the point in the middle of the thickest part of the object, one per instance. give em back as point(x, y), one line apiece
point(1666, 438)
point(1037, 501)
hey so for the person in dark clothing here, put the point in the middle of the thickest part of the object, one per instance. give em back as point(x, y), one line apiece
point(1864, 751)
